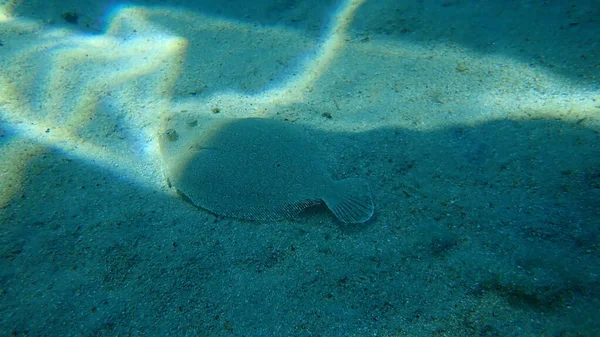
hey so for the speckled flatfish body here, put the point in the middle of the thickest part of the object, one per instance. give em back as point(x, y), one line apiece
point(260, 169)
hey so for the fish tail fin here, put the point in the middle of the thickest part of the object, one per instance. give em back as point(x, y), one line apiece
point(350, 200)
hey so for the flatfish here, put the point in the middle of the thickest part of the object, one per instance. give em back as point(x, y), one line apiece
point(258, 169)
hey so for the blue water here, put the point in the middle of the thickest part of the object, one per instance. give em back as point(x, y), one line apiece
point(482, 227)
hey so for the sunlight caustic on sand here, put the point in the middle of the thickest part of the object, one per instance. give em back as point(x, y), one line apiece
point(296, 87)
point(6, 11)
point(57, 85)
point(103, 98)
point(93, 97)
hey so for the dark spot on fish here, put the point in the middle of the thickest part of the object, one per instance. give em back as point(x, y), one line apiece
point(70, 17)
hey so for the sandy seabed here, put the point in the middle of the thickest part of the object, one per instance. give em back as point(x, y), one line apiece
point(475, 123)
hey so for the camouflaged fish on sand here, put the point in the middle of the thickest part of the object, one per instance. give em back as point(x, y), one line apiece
point(258, 169)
